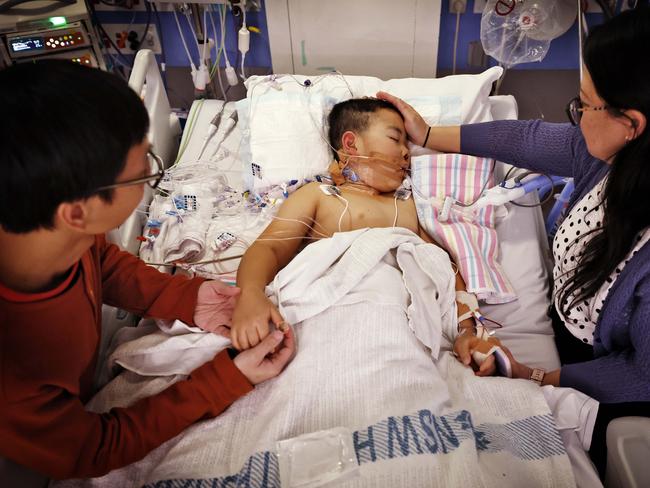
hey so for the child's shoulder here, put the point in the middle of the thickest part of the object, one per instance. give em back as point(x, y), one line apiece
point(310, 190)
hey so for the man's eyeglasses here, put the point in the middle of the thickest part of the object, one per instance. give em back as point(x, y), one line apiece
point(575, 108)
point(152, 180)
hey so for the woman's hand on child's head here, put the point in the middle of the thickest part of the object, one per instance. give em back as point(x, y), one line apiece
point(251, 318)
point(267, 359)
point(413, 121)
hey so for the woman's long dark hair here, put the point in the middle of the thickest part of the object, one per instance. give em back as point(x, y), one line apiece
point(617, 55)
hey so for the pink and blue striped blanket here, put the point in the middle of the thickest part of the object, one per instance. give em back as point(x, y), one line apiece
point(469, 236)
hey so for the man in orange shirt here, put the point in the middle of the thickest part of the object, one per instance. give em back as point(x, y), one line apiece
point(74, 162)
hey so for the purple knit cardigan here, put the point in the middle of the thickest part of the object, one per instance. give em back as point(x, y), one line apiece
point(620, 370)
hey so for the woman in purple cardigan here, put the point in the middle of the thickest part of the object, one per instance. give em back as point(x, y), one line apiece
point(601, 276)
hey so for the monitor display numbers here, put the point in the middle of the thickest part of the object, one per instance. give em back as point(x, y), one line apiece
point(27, 44)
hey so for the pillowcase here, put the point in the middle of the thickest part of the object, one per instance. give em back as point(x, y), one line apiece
point(284, 117)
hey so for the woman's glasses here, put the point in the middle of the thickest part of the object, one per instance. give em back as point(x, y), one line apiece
point(576, 107)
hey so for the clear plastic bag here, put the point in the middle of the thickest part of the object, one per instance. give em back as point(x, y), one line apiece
point(520, 31)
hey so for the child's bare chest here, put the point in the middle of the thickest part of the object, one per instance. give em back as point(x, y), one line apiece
point(364, 210)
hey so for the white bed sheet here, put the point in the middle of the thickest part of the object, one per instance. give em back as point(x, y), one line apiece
point(523, 246)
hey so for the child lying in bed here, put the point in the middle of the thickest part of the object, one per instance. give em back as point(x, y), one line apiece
point(369, 142)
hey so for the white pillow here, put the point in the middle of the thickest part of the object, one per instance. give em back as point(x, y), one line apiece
point(285, 133)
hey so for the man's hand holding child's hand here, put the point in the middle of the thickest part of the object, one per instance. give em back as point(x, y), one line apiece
point(268, 358)
point(214, 307)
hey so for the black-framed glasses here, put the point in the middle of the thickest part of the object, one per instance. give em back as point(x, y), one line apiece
point(576, 107)
point(153, 180)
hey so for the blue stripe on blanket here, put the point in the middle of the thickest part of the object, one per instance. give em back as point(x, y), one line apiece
point(422, 433)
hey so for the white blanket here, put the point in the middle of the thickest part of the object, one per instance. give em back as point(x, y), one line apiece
point(364, 363)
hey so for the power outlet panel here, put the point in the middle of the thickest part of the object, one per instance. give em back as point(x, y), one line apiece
point(120, 33)
point(457, 6)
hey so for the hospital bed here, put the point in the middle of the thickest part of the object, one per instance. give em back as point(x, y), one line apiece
point(524, 252)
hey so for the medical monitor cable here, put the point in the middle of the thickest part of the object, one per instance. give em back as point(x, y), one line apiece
point(212, 129)
point(231, 75)
point(244, 38)
point(217, 68)
point(187, 51)
point(163, 57)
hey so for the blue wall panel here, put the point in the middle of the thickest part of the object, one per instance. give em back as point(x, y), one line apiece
point(563, 53)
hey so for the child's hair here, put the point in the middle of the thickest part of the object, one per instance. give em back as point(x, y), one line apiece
point(66, 131)
point(353, 115)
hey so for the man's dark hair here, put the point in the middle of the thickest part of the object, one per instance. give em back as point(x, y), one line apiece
point(66, 131)
point(354, 115)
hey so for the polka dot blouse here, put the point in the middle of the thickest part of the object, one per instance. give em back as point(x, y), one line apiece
point(585, 217)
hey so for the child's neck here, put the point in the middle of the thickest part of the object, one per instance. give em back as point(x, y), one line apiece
point(36, 261)
point(360, 187)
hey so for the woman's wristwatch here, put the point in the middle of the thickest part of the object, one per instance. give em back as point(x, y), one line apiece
point(537, 375)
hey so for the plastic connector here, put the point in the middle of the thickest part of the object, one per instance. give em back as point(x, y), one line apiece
point(231, 76)
point(244, 40)
point(201, 77)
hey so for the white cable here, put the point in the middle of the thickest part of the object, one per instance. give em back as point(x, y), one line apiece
point(275, 217)
point(180, 33)
point(222, 17)
point(231, 75)
point(347, 204)
point(453, 69)
point(243, 38)
point(196, 39)
point(205, 34)
point(217, 54)
point(395, 219)
point(214, 30)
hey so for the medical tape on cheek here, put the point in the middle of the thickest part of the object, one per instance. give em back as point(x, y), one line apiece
point(378, 171)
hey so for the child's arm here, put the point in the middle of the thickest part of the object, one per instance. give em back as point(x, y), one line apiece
point(271, 252)
point(466, 341)
point(460, 283)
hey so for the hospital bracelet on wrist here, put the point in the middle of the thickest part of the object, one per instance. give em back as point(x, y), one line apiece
point(426, 139)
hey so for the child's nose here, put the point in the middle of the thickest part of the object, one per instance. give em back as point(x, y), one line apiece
point(406, 154)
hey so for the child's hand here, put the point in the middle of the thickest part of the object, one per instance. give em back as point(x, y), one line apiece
point(467, 343)
point(251, 318)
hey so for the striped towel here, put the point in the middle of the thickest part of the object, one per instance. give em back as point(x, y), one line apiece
point(469, 236)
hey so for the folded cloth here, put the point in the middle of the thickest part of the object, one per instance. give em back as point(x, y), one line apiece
point(469, 236)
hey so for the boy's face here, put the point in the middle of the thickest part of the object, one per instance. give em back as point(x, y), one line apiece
point(385, 135)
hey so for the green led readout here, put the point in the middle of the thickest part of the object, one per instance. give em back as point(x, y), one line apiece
point(57, 21)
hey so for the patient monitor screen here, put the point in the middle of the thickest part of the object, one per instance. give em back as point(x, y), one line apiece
point(26, 44)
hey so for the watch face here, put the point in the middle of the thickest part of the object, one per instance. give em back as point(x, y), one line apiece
point(537, 375)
